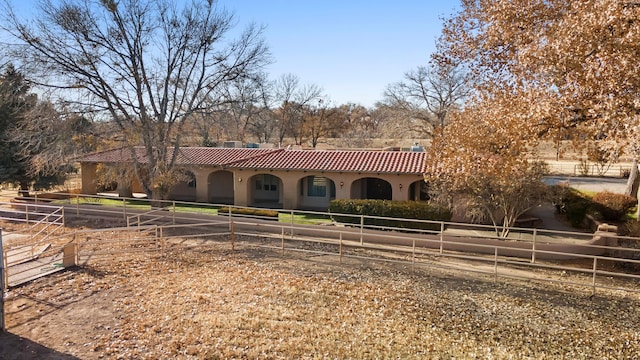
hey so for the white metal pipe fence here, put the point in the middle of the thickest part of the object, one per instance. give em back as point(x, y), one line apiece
point(595, 261)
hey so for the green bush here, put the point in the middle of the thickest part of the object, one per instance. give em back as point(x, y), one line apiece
point(613, 207)
point(603, 206)
point(573, 205)
point(388, 208)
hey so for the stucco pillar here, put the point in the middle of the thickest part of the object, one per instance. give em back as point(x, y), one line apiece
point(401, 194)
point(289, 193)
point(343, 189)
point(202, 185)
point(89, 177)
point(400, 190)
point(240, 188)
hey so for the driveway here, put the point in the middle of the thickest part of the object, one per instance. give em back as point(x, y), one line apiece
point(595, 184)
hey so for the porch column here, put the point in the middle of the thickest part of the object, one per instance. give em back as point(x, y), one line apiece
point(289, 192)
point(400, 190)
point(202, 185)
point(88, 176)
point(241, 188)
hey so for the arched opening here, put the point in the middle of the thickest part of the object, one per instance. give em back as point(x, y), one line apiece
point(371, 188)
point(186, 189)
point(220, 185)
point(419, 191)
point(266, 191)
point(316, 192)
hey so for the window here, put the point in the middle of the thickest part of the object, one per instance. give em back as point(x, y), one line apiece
point(317, 186)
point(266, 182)
point(192, 182)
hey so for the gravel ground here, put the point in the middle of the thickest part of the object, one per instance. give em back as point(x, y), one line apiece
point(254, 303)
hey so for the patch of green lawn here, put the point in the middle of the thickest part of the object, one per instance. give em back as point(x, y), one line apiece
point(303, 218)
point(283, 216)
point(132, 203)
point(198, 209)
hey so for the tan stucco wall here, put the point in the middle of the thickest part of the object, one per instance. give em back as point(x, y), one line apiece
point(239, 186)
point(290, 184)
point(88, 175)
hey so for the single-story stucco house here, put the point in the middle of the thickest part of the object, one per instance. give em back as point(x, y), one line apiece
point(282, 178)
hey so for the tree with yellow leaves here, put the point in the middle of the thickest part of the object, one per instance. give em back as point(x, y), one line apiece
point(479, 163)
point(576, 63)
point(542, 68)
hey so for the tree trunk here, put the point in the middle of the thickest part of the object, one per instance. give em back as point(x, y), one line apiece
point(24, 190)
point(633, 180)
point(124, 190)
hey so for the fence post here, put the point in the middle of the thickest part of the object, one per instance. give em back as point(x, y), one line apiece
point(26, 207)
point(340, 247)
point(2, 285)
point(124, 209)
point(441, 236)
point(282, 238)
point(595, 267)
point(413, 255)
point(233, 237)
point(77, 204)
point(174, 213)
point(291, 224)
point(361, 229)
point(162, 244)
point(495, 265)
point(533, 247)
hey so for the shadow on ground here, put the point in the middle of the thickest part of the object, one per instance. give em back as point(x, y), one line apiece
point(14, 347)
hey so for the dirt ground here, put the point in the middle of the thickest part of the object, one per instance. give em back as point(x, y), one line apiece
point(211, 302)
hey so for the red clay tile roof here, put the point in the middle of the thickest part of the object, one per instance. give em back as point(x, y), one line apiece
point(186, 156)
point(339, 161)
point(365, 161)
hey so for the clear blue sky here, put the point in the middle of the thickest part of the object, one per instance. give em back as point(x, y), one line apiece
point(351, 48)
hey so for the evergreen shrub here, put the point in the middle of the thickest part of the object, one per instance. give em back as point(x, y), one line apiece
point(392, 209)
point(613, 207)
point(245, 211)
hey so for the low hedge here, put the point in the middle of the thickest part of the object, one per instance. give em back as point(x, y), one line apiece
point(613, 207)
point(388, 208)
point(603, 206)
point(246, 211)
point(573, 205)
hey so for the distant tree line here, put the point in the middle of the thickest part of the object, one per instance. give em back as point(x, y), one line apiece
point(161, 75)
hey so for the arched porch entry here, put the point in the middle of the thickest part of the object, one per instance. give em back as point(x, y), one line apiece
point(419, 191)
point(221, 187)
point(371, 188)
point(315, 192)
point(186, 189)
point(265, 190)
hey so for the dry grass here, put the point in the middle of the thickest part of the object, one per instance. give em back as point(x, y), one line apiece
point(216, 303)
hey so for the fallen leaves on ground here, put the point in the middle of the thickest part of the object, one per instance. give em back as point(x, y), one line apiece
point(255, 303)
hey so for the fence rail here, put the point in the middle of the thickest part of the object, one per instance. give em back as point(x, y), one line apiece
point(595, 261)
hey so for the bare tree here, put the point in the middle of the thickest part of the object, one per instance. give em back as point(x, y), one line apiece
point(362, 126)
point(322, 120)
point(429, 94)
point(292, 98)
point(148, 65)
point(264, 123)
